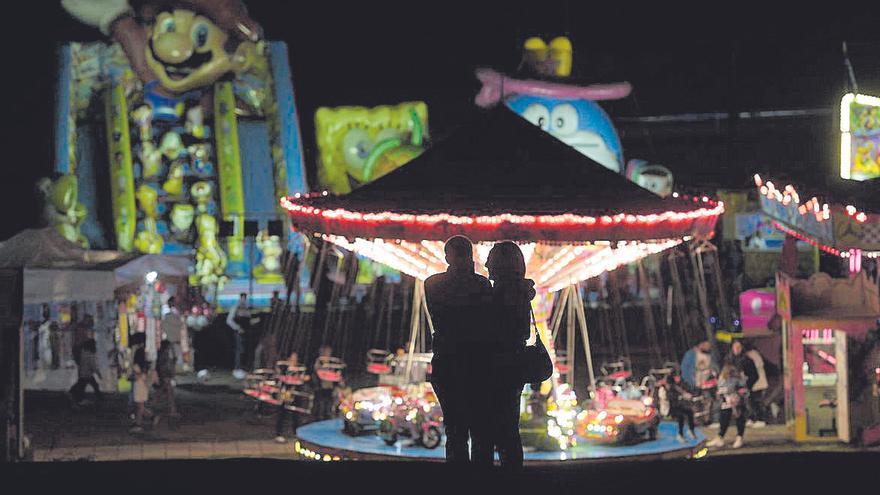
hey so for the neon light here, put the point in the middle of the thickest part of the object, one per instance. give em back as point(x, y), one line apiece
point(846, 150)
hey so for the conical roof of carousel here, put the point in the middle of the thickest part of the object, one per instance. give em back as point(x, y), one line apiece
point(501, 163)
point(500, 177)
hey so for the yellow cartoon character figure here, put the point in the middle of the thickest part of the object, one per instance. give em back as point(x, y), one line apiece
point(553, 59)
point(195, 122)
point(269, 269)
point(151, 159)
point(202, 192)
point(187, 51)
point(63, 209)
point(358, 144)
point(174, 183)
point(148, 240)
point(210, 258)
point(143, 117)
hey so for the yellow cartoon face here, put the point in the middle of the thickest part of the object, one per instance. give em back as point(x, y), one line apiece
point(187, 51)
point(358, 144)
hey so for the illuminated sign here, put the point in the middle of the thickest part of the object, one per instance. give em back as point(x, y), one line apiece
point(859, 137)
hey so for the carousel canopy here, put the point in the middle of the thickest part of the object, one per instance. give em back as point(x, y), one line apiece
point(503, 178)
point(499, 178)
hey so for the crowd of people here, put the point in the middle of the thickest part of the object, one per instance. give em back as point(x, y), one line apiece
point(734, 389)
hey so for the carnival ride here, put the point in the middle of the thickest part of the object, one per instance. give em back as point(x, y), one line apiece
point(171, 152)
point(415, 415)
point(570, 228)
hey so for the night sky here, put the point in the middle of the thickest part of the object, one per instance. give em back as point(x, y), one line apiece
point(713, 59)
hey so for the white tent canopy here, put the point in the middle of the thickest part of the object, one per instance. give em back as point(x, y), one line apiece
point(163, 264)
point(57, 270)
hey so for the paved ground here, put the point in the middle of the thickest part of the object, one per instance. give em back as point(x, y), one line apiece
point(218, 421)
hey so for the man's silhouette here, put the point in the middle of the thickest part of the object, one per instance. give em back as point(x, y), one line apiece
point(458, 300)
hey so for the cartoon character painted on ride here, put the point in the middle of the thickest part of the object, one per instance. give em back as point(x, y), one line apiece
point(358, 144)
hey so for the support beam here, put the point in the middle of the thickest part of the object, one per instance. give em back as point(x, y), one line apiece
point(585, 335)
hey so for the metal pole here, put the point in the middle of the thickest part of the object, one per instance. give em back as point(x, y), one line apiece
point(585, 335)
point(414, 326)
point(569, 333)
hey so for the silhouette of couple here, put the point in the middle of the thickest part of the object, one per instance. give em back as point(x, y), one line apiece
point(477, 327)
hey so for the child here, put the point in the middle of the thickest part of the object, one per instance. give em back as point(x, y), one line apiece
point(679, 405)
point(732, 394)
point(141, 389)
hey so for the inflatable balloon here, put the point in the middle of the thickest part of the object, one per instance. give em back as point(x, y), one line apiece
point(358, 144)
point(579, 123)
point(655, 178)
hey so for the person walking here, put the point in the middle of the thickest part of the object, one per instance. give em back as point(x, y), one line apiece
point(239, 320)
point(173, 329)
point(87, 369)
point(510, 325)
point(166, 362)
point(733, 394)
point(141, 388)
point(757, 384)
point(458, 301)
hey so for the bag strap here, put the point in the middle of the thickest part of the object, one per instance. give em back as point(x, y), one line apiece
point(534, 328)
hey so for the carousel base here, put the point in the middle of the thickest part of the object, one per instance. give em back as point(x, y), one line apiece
point(324, 440)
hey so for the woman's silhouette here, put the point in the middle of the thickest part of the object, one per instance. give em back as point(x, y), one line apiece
point(509, 328)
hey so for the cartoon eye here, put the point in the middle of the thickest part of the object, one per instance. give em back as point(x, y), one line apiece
point(564, 119)
point(200, 35)
point(538, 115)
point(356, 147)
point(169, 26)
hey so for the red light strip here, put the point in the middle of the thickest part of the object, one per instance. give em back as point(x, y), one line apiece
point(564, 227)
point(808, 240)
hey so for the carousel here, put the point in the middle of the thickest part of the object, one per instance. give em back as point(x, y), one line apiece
point(574, 219)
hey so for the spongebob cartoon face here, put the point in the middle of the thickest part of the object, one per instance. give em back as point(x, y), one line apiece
point(358, 144)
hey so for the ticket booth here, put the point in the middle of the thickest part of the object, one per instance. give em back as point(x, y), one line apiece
point(824, 314)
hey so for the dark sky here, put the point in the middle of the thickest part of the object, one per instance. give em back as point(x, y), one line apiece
point(721, 57)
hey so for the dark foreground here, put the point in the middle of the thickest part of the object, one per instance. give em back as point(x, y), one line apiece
point(744, 474)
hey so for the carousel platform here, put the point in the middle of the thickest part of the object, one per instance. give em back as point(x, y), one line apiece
point(324, 440)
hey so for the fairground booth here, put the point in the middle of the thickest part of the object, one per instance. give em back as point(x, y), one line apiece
point(70, 292)
point(829, 325)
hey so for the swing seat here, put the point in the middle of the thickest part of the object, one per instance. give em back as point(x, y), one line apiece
point(379, 361)
point(378, 368)
point(562, 367)
point(250, 392)
point(620, 375)
point(329, 369)
point(291, 380)
point(329, 375)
